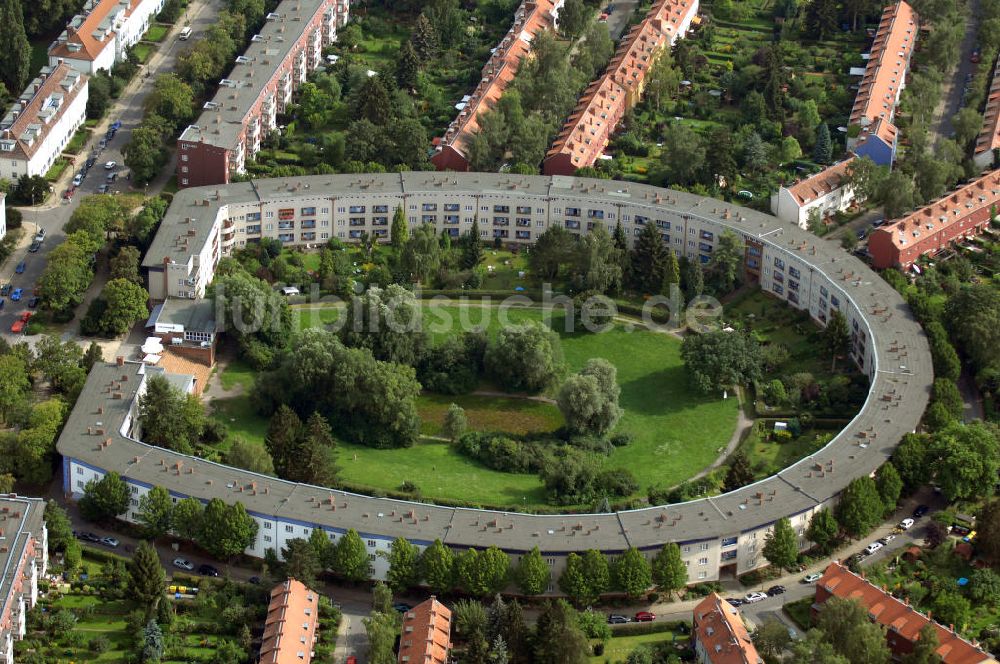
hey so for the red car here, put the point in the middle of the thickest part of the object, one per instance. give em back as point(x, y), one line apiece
point(19, 324)
point(645, 616)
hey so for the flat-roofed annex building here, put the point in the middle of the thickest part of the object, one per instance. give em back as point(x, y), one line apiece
point(426, 634)
point(901, 621)
point(589, 127)
point(244, 110)
point(957, 216)
point(719, 635)
point(24, 558)
point(39, 123)
point(720, 536)
point(98, 37)
point(532, 17)
point(291, 624)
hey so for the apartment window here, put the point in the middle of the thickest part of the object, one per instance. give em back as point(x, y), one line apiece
point(267, 538)
point(523, 209)
point(778, 263)
point(793, 272)
point(267, 525)
point(823, 292)
point(703, 561)
point(375, 208)
point(777, 288)
point(572, 212)
point(572, 224)
point(371, 543)
point(286, 237)
point(704, 547)
point(184, 180)
point(595, 214)
point(269, 214)
point(308, 212)
point(729, 541)
point(79, 470)
point(686, 549)
point(429, 207)
point(286, 213)
point(79, 484)
point(702, 575)
point(451, 207)
point(133, 502)
point(253, 216)
point(289, 529)
point(834, 301)
point(501, 208)
point(428, 219)
point(641, 220)
point(325, 211)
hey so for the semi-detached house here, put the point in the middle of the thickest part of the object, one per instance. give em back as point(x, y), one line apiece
point(39, 124)
point(718, 537)
point(98, 37)
point(451, 151)
point(588, 129)
point(232, 125)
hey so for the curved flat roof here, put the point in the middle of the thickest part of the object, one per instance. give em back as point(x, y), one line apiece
point(899, 391)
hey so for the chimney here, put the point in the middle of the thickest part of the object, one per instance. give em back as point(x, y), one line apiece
point(120, 360)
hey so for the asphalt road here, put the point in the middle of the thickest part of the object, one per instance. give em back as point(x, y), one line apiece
point(53, 215)
point(951, 95)
point(619, 18)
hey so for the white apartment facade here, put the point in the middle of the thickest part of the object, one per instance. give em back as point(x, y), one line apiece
point(39, 124)
point(99, 37)
point(827, 192)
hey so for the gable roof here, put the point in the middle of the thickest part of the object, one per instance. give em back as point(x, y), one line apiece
point(29, 120)
point(887, 64)
point(897, 616)
point(426, 634)
point(989, 136)
point(290, 627)
point(820, 184)
point(721, 632)
point(88, 33)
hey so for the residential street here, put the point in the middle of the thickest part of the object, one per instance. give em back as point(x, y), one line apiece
point(953, 87)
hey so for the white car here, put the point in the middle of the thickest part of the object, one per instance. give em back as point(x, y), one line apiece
point(812, 578)
point(110, 166)
point(750, 598)
point(77, 179)
point(873, 547)
point(906, 523)
point(182, 563)
point(110, 541)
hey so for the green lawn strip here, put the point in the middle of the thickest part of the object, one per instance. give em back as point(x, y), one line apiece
point(799, 612)
point(768, 457)
point(241, 419)
point(156, 33)
point(617, 649)
point(484, 413)
point(39, 58)
point(237, 373)
point(78, 141)
point(143, 51)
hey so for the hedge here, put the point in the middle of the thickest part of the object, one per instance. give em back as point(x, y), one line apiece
point(639, 628)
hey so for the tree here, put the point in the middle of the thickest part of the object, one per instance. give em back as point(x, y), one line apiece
point(15, 50)
point(250, 456)
point(823, 151)
point(573, 18)
point(382, 629)
point(771, 639)
point(148, 580)
point(598, 262)
point(14, 384)
point(552, 250)
point(781, 545)
point(532, 573)
point(284, 432)
point(726, 261)
point(171, 99)
point(104, 499)
point(301, 560)
point(558, 637)
point(126, 304)
point(740, 472)
point(68, 272)
point(186, 518)
point(669, 571)
point(837, 336)
point(455, 423)
point(375, 105)
point(421, 255)
point(945, 392)
point(823, 529)
point(890, 486)
point(814, 649)
point(973, 316)
point(864, 177)
point(169, 417)
point(952, 608)
point(436, 563)
point(985, 586)
point(911, 461)
point(400, 233)
point(648, 261)
point(482, 574)
point(860, 507)
point(718, 360)
point(925, 649)
point(852, 634)
point(471, 245)
point(225, 530)
point(573, 581)
point(988, 539)
point(404, 561)
point(155, 512)
point(387, 321)
point(588, 400)
point(152, 642)
point(407, 66)
point(350, 557)
point(125, 264)
point(631, 573)
point(683, 155)
point(524, 357)
point(896, 194)
point(965, 460)
point(145, 153)
point(58, 525)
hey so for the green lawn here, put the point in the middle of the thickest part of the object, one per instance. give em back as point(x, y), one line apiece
point(39, 58)
point(676, 432)
point(768, 457)
point(618, 648)
point(78, 141)
point(57, 169)
point(156, 33)
point(143, 51)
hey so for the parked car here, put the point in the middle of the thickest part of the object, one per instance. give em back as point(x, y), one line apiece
point(873, 547)
point(110, 541)
point(888, 538)
point(402, 607)
point(35, 246)
point(812, 578)
point(734, 601)
point(88, 537)
point(20, 323)
point(111, 177)
point(207, 570)
point(352, 659)
point(618, 619)
point(775, 590)
point(255, 580)
point(645, 616)
point(906, 523)
point(34, 302)
point(103, 189)
point(975, 56)
point(16, 295)
point(183, 563)
point(110, 166)
point(2, 302)
point(750, 598)
point(920, 511)
point(90, 162)
point(20, 267)
point(116, 125)
point(5, 289)
point(40, 235)
point(78, 179)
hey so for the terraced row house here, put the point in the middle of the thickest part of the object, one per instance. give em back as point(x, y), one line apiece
point(451, 151)
point(987, 151)
point(232, 125)
point(601, 108)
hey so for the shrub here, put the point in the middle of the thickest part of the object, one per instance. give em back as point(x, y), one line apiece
point(99, 644)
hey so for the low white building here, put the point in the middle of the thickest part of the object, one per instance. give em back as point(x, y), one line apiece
point(99, 36)
point(42, 121)
point(826, 191)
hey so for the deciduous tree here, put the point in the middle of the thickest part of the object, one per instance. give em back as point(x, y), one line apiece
point(669, 571)
point(532, 574)
point(588, 399)
point(155, 512)
point(860, 507)
point(105, 498)
point(436, 567)
point(631, 573)
point(350, 557)
point(823, 529)
point(525, 357)
point(781, 545)
point(719, 360)
point(404, 561)
point(225, 530)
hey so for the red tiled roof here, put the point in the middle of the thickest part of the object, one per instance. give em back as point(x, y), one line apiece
point(531, 18)
point(587, 130)
point(29, 119)
point(290, 627)
point(970, 202)
point(426, 634)
point(887, 66)
point(989, 137)
point(898, 617)
point(820, 184)
point(721, 633)
point(88, 34)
